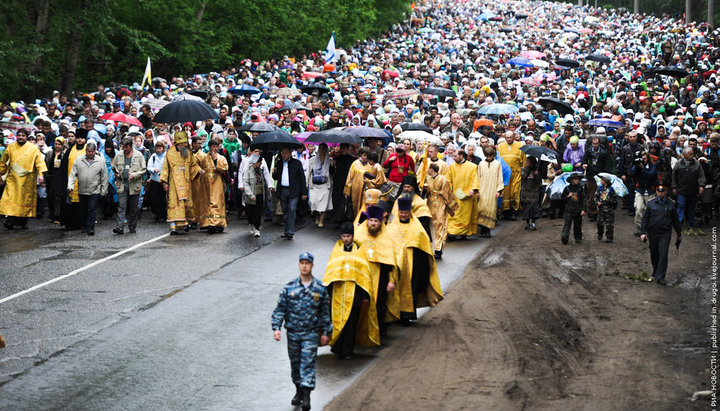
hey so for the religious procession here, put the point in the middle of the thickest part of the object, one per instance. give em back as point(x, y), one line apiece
point(466, 119)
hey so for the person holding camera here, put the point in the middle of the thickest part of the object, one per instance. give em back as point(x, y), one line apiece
point(629, 157)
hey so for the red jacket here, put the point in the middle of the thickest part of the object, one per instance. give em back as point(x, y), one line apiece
point(399, 168)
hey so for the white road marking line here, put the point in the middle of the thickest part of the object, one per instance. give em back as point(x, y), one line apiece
point(81, 269)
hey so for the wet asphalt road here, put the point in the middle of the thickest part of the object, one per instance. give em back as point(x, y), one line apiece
point(179, 323)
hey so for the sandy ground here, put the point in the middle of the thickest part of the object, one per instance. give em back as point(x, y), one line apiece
point(535, 324)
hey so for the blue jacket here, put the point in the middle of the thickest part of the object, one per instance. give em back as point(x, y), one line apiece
point(303, 309)
point(646, 176)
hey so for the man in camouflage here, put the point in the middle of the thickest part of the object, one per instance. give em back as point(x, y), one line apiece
point(304, 307)
point(605, 200)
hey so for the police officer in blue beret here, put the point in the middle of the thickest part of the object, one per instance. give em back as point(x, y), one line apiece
point(304, 307)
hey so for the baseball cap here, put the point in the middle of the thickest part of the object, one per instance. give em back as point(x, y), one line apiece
point(306, 256)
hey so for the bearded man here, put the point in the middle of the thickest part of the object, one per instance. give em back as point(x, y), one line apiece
point(379, 247)
point(418, 281)
point(24, 165)
point(178, 170)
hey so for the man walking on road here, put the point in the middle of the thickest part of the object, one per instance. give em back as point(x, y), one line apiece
point(24, 165)
point(289, 174)
point(657, 224)
point(90, 173)
point(129, 168)
point(177, 172)
point(304, 307)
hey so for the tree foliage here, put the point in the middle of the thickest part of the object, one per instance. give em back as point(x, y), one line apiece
point(76, 44)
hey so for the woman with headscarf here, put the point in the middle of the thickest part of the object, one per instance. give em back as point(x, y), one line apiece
point(319, 183)
point(372, 122)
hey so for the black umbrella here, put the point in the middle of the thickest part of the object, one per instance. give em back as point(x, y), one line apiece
point(366, 132)
point(540, 152)
point(505, 30)
point(244, 137)
point(275, 140)
point(672, 71)
point(199, 93)
point(567, 63)
point(333, 135)
point(184, 110)
point(550, 103)
point(415, 126)
point(314, 89)
point(599, 58)
point(438, 91)
point(521, 16)
point(259, 127)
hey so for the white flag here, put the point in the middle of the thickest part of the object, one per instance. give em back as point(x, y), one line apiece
point(330, 51)
point(147, 76)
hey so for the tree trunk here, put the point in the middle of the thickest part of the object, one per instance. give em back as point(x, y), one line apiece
point(711, 12)
point(41, 23)
point(199, 14)
point(636, 7)
point(688, 11)
point(67, 76)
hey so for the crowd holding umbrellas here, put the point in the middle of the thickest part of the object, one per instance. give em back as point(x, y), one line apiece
point(464, 115)
point(562, 88)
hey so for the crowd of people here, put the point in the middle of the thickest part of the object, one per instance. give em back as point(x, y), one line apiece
point(607, 94)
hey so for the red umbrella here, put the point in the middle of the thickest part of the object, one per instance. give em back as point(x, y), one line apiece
point(311, 74)
point(390, 74)
point(121, 118)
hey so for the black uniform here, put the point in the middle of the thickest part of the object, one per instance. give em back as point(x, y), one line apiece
point(657, 223)
point(575, 203)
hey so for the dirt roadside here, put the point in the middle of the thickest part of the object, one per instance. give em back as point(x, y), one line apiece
point(535, 324)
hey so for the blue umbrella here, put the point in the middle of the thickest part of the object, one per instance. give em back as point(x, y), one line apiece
point(615, 182)
point(497, 109)
point(486, 16)
point(555, 189)
point(605, 122)
point(244, 89)
point(506, 170)
point(520, 61)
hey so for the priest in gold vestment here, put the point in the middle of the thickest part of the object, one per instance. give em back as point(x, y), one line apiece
point(352, 297)
point(442, 204)
point(509, 150)
point(208, 190)
point(24, 164)
point(462, 176)
point(379, 246)
point(491, 188)
point(178, 170)
point(418, 282)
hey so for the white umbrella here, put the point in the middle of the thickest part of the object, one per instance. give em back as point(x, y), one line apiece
point(419, 135)
point(540, 63)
